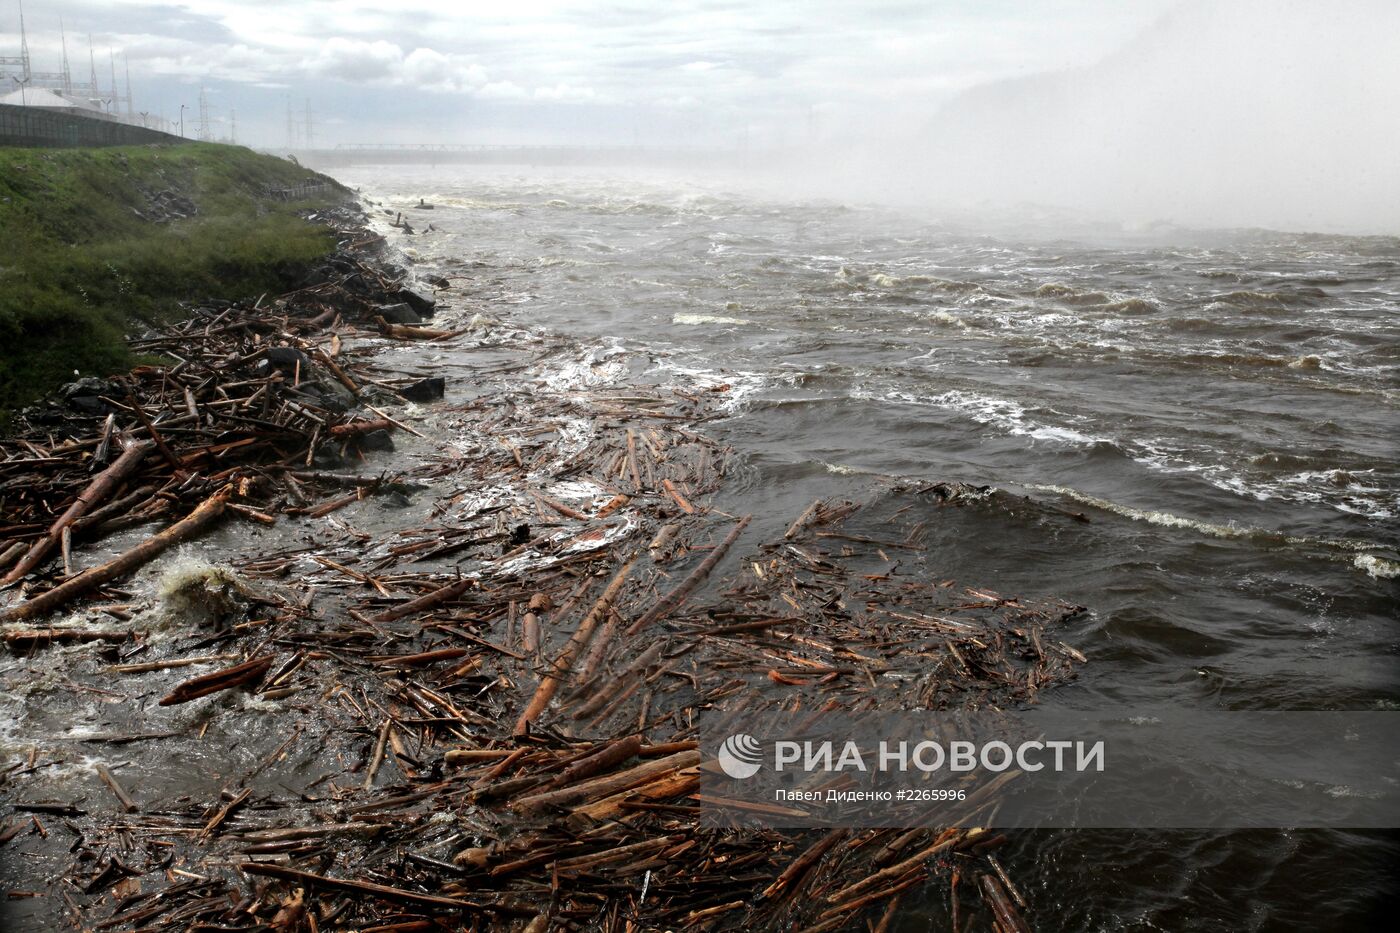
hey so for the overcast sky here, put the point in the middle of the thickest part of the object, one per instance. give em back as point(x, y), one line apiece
point(688, 71)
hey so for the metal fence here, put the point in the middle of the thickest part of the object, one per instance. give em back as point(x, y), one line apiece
point(36, 127)
point(299, 192)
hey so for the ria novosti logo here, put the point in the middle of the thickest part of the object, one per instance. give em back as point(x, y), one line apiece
point(740, 756)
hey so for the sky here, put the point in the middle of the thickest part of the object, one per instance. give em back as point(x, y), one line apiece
point(1281, 113)
point(681, 72)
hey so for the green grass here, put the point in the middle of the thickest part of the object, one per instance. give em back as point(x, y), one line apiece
point(79, 269)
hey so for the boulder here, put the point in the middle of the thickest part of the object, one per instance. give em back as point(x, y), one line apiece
point(399, 313)
point(425, 390)
point(376, 440)
point(419, 302)
point(84, 395)
point(288, 360)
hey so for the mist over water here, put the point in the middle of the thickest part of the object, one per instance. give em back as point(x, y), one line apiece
point(1282, 114)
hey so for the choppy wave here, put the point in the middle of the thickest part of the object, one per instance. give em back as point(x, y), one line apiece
point(1371, 564)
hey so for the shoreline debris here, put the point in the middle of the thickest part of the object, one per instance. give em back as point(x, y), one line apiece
point(485, 716)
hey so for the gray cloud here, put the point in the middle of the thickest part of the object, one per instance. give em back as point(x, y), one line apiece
point(742, 62)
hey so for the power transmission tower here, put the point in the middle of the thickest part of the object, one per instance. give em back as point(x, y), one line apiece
point(310, 131)
point(233, 126)
point(204, 134)
point(117, 98)
point(20, 68)
point(291, 126)
point(92, 71)
point(17, 67)
point(23, 45)
point(67, 74)
point(130, 105)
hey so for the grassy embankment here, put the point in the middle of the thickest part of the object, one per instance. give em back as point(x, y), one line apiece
point(80, 268)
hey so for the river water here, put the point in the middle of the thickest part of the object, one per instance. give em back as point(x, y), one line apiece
point(1194, 434)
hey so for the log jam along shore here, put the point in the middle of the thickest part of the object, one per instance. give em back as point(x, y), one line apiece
point(472, 711)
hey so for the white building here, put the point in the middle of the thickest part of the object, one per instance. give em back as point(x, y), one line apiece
point(47, 99)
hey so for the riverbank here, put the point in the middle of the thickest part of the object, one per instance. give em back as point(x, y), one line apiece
point(103, 242)
point(452, 671)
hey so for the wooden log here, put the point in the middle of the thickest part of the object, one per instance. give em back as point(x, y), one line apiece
point(148, 666)
point(696, 917)
point(662, 540)
point(421, 658)
point(102, 486)
point(680, 500)
point(549, 683)
point(609, 784)
point(380, 891)
point(118, 791)
point(795, 871)
point(612, 505)
point(1006, 881)
point(899, 869)
point(409, 332)
point(226, 679)
point(427, 601)
point(223, 813)
point(1007, 919)
point(336, 371)
point(617, 854)
point(10, 553)
point(362, 426)
point(464, 756)
point(189, 526)
point(561, 508)
point(874, 897)
point(672, 600)
point(131, 502)
point(674, 784)
point(614, 753)
point(20, 639)
point(802, 519)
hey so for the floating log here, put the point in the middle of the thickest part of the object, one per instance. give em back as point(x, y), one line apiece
point(106, 482)
point(672, 600)
point(381, 891)
point(240, 674)
point(189, 526)
point(427, 601)
point(549, 683)
point(609, 784)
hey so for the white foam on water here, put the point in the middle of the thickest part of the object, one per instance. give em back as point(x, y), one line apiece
point(598, 366)
point(587, 541)
point(577, 491)
point(1152, 516)
point(943, 317)
point(699, 319)
point(1008, 415)
point(844, 469)
point(742, 384)
point(1323, 487)
point(1377, 567)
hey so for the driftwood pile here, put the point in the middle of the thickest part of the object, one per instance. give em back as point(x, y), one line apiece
point(255, 394)
point(485, 720)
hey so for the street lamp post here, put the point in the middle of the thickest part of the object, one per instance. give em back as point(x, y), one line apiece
point(182, 120)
